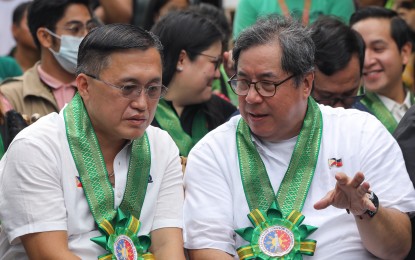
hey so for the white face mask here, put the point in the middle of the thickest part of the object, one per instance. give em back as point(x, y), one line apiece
point(67, 55)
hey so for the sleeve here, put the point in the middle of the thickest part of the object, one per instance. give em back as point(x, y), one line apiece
point(405, 135)
point(342, 9)
point(245, 16)
point(169, 205)
point(384, 167)
point(208, 206)
point(31, 195)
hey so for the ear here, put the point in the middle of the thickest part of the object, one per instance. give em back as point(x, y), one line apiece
point(44, 38)
point(406, 52)
point(83, 86)
point(15, 31)
point(181, 61)
point(308, 84)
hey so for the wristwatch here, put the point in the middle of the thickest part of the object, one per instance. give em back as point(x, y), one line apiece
point(374, 199)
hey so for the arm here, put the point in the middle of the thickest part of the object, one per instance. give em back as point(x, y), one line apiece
point(167, 243)
point(209, 254)
point(47, 245)
point(115, 11)
point(376, 232)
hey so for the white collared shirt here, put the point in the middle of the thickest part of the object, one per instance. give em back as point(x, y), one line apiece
point(215, 203)
point(40, 189)
point(396, 109)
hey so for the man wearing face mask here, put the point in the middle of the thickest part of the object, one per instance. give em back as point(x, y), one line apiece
point(58, 28)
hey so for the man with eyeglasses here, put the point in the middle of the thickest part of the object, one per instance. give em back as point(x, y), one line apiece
point(96, 181)
point(339, 58)
point(290, 178)
point(58, 28)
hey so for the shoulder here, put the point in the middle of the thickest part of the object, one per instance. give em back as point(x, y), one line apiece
point(347, 117)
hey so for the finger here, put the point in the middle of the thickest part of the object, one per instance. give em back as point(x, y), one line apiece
point(325, 201)
point(357, 180)
point(342, 178)
point(363, 189)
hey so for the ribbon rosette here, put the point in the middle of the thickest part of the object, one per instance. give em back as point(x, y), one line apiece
point(120, 239)
point(276, 237)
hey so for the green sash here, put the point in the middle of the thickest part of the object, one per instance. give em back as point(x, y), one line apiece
point(376, 106)
point(93, 174)
point(2, 150)
point(266, 212)
point(169, 121)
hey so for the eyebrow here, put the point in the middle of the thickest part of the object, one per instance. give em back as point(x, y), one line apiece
point(262, 75)
point(130, 79)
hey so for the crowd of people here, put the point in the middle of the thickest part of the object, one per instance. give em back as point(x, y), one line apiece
point(170, 129)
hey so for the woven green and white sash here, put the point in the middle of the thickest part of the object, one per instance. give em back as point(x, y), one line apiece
point(93, 173)
point(169, 121)
point(294, 187)
point(376, 106)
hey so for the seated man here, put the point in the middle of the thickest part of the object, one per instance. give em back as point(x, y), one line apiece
point(388, 49)
point(74, 184)
point(287, 155)
point(339, 58)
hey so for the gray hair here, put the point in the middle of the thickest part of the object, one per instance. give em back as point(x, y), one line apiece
point(294, 40)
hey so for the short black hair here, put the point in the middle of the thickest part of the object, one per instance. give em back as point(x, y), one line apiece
point(47, 13)
point(97, 46)
point(19, 12)
point(400, 31)
point(336, 43)
point(184, 30)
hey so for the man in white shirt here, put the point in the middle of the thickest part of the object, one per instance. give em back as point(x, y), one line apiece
point(247, 181)
point(97, 163)
point(388, 49)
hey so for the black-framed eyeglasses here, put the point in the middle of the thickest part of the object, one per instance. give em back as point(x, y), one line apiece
point(132, 91)
point(346, 100)
point(217, 61)
point(263, 87)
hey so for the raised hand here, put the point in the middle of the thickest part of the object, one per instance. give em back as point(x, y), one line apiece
point(349, 193)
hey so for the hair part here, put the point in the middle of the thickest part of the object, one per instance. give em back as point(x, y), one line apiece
point(336, 43)
point(400, 31)
point(96, 48)
point(294, 40)
point(47, 13)
point(184, 30)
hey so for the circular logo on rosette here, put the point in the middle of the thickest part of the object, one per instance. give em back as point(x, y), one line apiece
point(276, 241)
point(124, 248)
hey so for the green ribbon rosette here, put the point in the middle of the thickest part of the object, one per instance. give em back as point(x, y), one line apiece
point(120, 239)
point(276, 237)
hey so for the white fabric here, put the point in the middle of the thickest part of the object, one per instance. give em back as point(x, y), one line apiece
point(39, 189)
point(396, 109)
point(215, 203)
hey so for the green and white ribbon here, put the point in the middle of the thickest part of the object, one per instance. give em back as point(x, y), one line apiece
point(92, 170)
point(297, 180)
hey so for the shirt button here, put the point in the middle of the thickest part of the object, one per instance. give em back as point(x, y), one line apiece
point(119, 194)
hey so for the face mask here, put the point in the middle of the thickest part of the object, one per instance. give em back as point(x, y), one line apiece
point(68, 53)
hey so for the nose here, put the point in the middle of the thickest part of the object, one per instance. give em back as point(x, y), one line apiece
point(369, 58)
point(140, 102)
point(253, 96)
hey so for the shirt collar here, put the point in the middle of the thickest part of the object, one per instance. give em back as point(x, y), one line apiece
point(390, 104)
point(51, 81)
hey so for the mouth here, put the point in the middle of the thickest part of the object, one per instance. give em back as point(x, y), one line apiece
point(372, 73)
point(256, 116)
point(137, 120)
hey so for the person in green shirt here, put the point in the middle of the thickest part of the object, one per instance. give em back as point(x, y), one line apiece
point(248, 11)
point(9, 68)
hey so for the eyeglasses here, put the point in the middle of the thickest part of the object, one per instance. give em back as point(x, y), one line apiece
point(217, 60)
point(350, 100)
point(77, 28)
point(263, 87)
point(132, 91)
